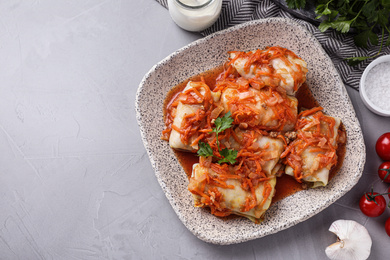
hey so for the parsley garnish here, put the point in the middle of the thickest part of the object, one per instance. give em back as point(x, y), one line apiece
point(367, 18)
point(229, 156)
point(221, 124)
point(205, 150)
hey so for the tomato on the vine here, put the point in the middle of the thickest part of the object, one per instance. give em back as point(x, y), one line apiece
point(384, 172)
point(382, 146)
point(387, 226)
point(372, 204)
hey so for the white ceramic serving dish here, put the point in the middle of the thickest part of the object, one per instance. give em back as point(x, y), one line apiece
point(209, 52)
point(363, 91)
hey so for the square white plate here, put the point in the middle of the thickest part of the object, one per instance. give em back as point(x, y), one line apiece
point(210, 52)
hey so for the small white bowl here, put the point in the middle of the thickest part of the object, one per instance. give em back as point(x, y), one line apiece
point(363, 94)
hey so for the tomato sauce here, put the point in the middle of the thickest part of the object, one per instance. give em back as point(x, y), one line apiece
point(285, 185)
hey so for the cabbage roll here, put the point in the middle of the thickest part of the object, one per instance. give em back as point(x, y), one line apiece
point(193, 103)
point(264, 108)
point(274, 66)
point(310, 157)
point(224, 193)
point(265, 150)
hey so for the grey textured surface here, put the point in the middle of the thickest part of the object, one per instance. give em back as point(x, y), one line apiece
point(202, 55)
point(76, 182)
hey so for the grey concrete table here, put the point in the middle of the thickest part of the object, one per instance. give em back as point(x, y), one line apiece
point(75, 180)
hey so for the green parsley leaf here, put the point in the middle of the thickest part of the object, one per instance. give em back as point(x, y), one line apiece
point(364, 18)
point(373, 38)
point(369, 11)
point(341, 26)
point(385, 3)
point(295, 4)
point(229, 156)
point(361, 39)
point(333, 15)
point(383, 19)
point(325, 25)
point(321, 10)
point(223, 123)
point(204, 150)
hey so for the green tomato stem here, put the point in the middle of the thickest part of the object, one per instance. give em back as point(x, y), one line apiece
point(387, 174)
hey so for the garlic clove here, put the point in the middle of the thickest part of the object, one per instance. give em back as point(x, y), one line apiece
point(353, 241)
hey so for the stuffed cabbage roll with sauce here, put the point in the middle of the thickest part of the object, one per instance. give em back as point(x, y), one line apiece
point(258, 152)
point(275, 66)
point(265, 108)
point(246, 132)
point(310, 157)
point(217, 187)
point(193, 104)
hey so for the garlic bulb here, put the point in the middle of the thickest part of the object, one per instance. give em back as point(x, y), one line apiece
point(353, 241)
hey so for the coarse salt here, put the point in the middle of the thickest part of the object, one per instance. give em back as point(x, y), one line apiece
point(377, 85)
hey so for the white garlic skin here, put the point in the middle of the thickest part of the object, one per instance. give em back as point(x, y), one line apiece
point(353, 241)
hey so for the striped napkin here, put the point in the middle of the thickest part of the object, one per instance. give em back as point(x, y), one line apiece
point(338, 46)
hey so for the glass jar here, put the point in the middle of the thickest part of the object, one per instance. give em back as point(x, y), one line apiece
point(194, 15)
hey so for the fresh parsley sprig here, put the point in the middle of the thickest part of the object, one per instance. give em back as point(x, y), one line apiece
point(221, 124)
point(228, 155)
point(367, 18)
point(205, 150)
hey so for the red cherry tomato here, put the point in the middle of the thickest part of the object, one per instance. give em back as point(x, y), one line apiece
point(372, 205)
point(382, 146)
point(384, 174)
point(387, 226)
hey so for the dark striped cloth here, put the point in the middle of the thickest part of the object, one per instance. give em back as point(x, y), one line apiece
point(338, 46)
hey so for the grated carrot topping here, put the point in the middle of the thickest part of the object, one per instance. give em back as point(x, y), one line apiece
point(315, 132)
point(257, 105)
point(310, 111)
